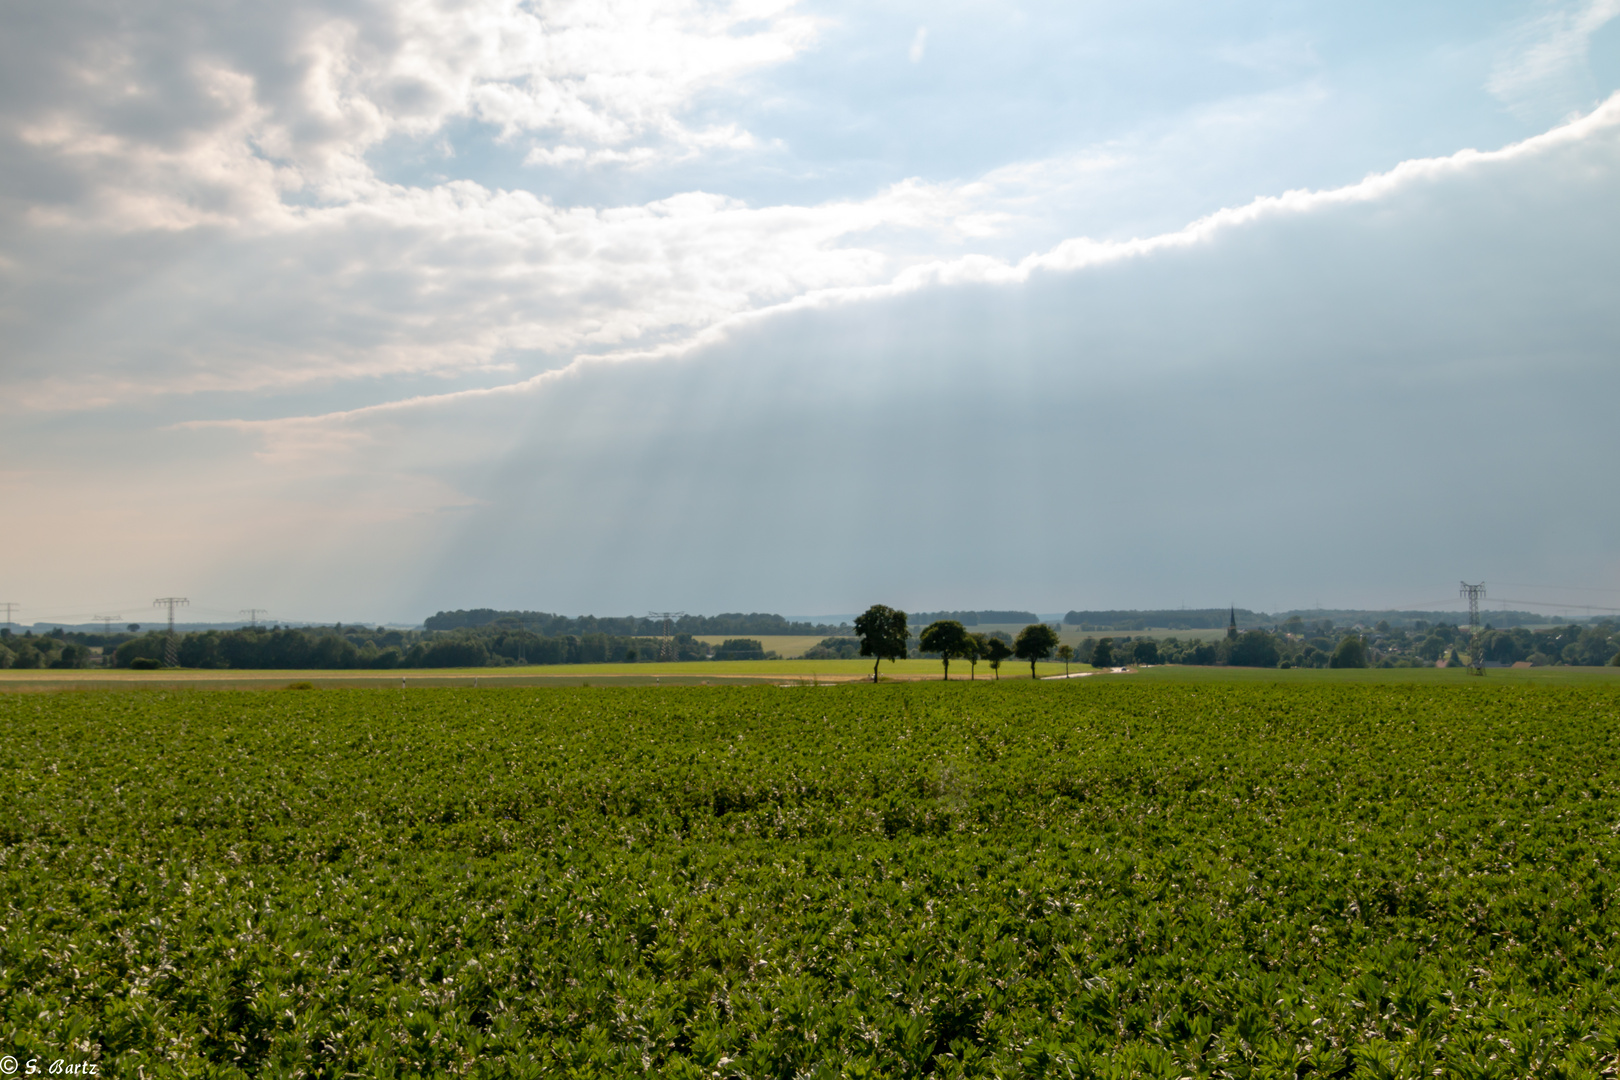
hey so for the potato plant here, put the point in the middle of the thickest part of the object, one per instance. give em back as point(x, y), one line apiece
point(1089, 878)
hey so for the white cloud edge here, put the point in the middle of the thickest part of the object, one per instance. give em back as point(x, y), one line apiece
point(1070, 255)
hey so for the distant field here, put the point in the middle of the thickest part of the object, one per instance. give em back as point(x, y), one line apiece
point(1183, 873)
point(789, 646)
point(1068, 635)
point(721, 672)
point(693, 671)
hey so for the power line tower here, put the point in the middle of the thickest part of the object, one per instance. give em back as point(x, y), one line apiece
point(1474, 594)
point(253, 614)
point(106, 622)
point(171, 650)
point(666, 641)
point(11, 609)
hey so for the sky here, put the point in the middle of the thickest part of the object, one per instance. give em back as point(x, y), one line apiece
point(354, 310)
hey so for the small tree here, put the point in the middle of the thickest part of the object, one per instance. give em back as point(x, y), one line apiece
point(1102, 655)
point(883, 635)
point(1035, 642)
point(1065, 654)
point(997, 651)
point(974, 650)
point(947, 637)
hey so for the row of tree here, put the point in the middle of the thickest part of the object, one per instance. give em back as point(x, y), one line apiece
point(885, 634)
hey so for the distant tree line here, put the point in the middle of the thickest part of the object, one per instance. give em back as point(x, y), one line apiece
point(974, 618)
point(268, 648)
point(548, 625)
point(492, 644)
point(1217, 618)
point(1179, 619)
point(1295, 643)
point(56, 649)
point(1321, 644)
point(885, 634)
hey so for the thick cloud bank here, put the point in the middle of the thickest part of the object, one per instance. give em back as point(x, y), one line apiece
point(1371, 396)
point(1357, 397)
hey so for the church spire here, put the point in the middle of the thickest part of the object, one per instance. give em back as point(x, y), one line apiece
point(1231, 624)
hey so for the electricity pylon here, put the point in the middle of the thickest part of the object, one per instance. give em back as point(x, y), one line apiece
point(666, 642)
point(106, 622)
point(11, 609)
point(171, 650)
point(1476, 658)
point(253, 614)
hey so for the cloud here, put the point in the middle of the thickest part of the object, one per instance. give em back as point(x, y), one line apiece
point(919, 43)
point(591, 363)
point(1340, 390)
point(311, 86)
point(425, 280)
point(194, 213)
point(1599, 128)
point(1361, 387)
point(1547, 62)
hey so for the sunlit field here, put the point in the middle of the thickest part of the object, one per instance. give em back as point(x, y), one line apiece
point(808, 671)
point(786, 645)
point(792, 672)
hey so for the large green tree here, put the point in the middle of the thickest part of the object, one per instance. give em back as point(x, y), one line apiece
point(882, 630)
point(947, 637)
point(1351, 653)
point(1255, 648)
point(1035, 642)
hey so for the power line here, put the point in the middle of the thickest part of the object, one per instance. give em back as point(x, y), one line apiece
point(171, 650)
point(1560, 588)
point(666, 643)
point(106, 622)
point(1559, 606)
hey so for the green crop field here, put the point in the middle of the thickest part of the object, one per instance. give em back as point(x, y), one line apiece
point(1130, 876)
